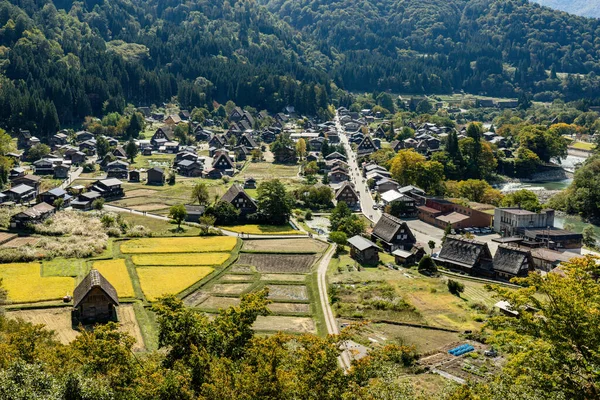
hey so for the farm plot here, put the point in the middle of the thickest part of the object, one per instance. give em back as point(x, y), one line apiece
point(58, 320)
point(180, 259)
point(288, 292)
point(25, 284)
point(289, 308)
point(237, 278)
point(21, 241)
point(263, 229)
point(278, 263)
point(158, 281)
point(242, 269)
point(179, 245)
point(285, 324)
point(230, 288)
point(64, 267)
point(115, 271)
point(300, 245)
point(217, 303)
point(283, 277)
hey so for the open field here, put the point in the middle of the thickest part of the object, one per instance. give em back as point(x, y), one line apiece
point(59, 321)
point(288, 292)
point(159, 227)
point(278, 263)
point(180, 259)
point(265, 170)
point(217, 303)
point(583, 146)
point(283, 277)
point(179, 245)
point(5, 237)
point(242, 269)
point(424, 340)
point(262, 229)
point(285, 245)
point(230, 288)
point(409, 297)
point(24, 283)
point(285, 324)
point(155, 160)
point(21, 241)
point(158, 281)
point(291, 308)
point(115, 271)
point(236, 278)
point(64, 267)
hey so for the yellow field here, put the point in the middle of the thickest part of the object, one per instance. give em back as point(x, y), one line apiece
point(180, 259)
point(179, 245)
point(115, 271)
point(25, 284)
point(263, 229)
point(158, 281)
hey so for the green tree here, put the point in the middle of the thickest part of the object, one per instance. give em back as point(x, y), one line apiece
point(424, 107)
point(455, 287)
point(37, 152)
point(311, 168)
point(224, 212)
point(525, 199)
point(206, 221)
point(136, 125)
point(59, 203)
point(431, 245)
point(98, 204)
point(178, 213)
point(339, 238)
point(200, 193)
point(589, 236)
point(427, 265)
point(131, 150)
point(274, 203)
point(102, 146)
point(301, 148)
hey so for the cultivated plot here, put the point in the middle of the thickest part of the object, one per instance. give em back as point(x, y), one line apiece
point(299, 245)
point(180, 259)
point(230, 288)
point(159, 281)
point(278, 263)
point(285, 324)
point(217, 303)
point(283, 277)
point(115, 271)
point(179, 245)
point(290, 308)
point(288, 292)
point(24, 283)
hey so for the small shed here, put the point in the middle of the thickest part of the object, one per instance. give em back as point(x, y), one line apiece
point(363, 250)
point(95, 299)
point(134, 175)
point(156, 176)
point(250, 183)
point(412, 257)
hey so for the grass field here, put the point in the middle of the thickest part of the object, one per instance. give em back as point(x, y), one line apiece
point(64, 267)
point(159, 227)
point(155, 160)
point(24, 283)
point(179, 245)
point(267, 170)
point(180, 259)
point(583, 146)
point(158, 281)
point(115, 271)
point(263, 229)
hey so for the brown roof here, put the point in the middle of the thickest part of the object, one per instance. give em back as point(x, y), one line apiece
point(388, 226)
point(233, 192)
point(511, 259)
point(462, 251)
point(453, 217)
point(38, 209)
point(429, 210)
point(94, 280)
point(346, 184)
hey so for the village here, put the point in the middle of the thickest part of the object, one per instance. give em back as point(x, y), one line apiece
point(327, 168)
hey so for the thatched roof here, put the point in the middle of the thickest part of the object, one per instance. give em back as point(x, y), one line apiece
point(94, 280)
point(464, 252)
point(233, 192)
point(388, 227)
point(511, 259)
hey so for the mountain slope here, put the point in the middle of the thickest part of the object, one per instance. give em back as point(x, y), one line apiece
point(585, 8)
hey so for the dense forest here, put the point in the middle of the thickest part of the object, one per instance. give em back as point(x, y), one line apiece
point(62, 60)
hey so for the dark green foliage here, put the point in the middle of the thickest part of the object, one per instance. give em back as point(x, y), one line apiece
point(224, 212)
point(274, 203)
point(427, 265)
point(455, 287)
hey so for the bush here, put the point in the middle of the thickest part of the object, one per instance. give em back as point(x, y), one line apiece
point(89, 167)
point(113, 232)
point(308, 215)
point(139, 231)
point(456, 288)
point(98, 204)
point(427, 265)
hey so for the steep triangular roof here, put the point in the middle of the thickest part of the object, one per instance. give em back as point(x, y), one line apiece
point(94, 280)
point(388, 226)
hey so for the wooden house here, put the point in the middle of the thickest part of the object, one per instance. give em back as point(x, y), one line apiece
point(83, 136)
point(363, 250)
point(134, 175)
point(250, 183)
point(238, 197)
point(335, 156)
point(57, 193)
point(338, 175)
point(108, 188)
point(61, 171)
point(223, 162)
point(407, 258)
point(194, 212)
point(95, 299)
point(366, 147)
point(466, 255)
point(393, 234)
point(20, 193)
point(32, 215)
point(173, 119)
point(248, 141)
point(155, 176)
point(161, 136)
point(510, 262)
point(348, 195)
point(190, 168)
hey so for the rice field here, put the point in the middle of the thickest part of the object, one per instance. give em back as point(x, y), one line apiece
point(158, 281)
point(179, 245)
point(25, 284)
point(180, 259)
point(115, 271)
point(254, 229)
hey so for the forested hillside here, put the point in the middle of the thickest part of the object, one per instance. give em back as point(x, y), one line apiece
point(61, 60)
point(586, 8)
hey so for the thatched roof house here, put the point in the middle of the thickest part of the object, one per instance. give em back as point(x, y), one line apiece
point(466, 255)
point(95, 299)
point(512, 261)
point(393, 233)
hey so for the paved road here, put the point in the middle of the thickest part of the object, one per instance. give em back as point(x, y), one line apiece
point(72, 176)
point(360, 185)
